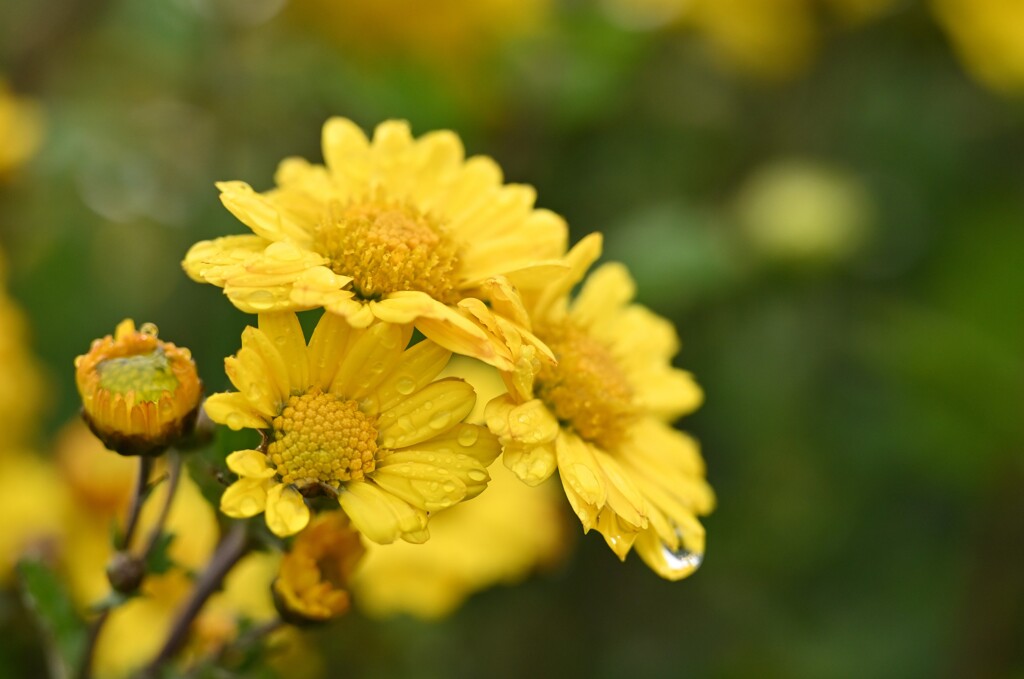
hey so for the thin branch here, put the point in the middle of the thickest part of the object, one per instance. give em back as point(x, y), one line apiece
point(174, 476)
point(138, 498)
point(232, 548)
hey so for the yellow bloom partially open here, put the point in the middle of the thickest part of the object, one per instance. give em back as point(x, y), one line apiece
point(600, 417)
point(398, 229)
point(353, 415)
point(139, 394)
point(313, 582)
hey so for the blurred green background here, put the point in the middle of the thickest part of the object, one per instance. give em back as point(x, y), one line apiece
point(826, 197)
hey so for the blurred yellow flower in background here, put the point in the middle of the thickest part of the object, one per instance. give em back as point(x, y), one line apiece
point(989, 37)
point(502, 537)
point(21, 385)
point(356, 416)
point(600, 417)
point(21, 129)
point(398, 229)
point(799, 211)
point(313, 583)
point(139, 394)
point(444, 32)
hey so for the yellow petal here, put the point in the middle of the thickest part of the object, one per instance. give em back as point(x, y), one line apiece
point(260, 214)
point(244, 498)
point(234, 410)
point(606, 290)
point(470, 472)
point(378, 515)
point(533, 464)
point(261, 297)
point(417, 367)
point(580, 470)
point(618, 534)
point(285, 333)
point(579, 259)
point(532, 422)
point(343, 142)
point(249, 375)
point(623, 497)
point(423, 485)
point(369, 358)
point(249, 464)
point(317, 285)
point(273, 365)
point(673, 562)
point(287, 512)
point(214, 261)
point(440, 323)
point(326, 347)
point(464, 439)
point(431, 411)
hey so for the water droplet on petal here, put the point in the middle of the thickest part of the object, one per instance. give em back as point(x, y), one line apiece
point(234, 421)
point(248, 506)
point(405, 386)
point(149, 329)
point(681, 559)
point(477, 475)
point(261, 300)
point(283, 250)
point(468, 436)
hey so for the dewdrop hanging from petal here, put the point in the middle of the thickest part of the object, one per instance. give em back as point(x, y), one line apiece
point(139, 394)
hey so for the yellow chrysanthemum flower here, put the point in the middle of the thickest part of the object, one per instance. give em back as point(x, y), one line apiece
point(21, 129)
point(989, 37)
point(139, 394)
point(500, 538)
point(354, 415)
point(312, 585)
point(600, 417)
point(398, 229)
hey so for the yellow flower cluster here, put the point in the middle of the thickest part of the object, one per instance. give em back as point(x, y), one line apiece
point(395, 234)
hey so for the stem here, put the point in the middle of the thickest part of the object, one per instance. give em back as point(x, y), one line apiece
point(232, 548)
point(174, 475)
point(85, 669)
point(138, 496)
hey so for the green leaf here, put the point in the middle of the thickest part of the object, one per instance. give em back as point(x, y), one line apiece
point(65, 632)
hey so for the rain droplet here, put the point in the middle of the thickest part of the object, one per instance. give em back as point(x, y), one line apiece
point(449, 487)
point(283, 250)
point(681, 559)
point(149, 329)
point(405, 386)
point(468, 436)
point(248, 506)
point(477, 475)
point(261, 300)
point(234, 421)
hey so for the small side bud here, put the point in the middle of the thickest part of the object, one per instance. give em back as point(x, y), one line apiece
point(125, 572)
point(139, 394)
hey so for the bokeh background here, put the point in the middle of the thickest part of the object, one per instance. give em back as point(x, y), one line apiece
point(826, 196)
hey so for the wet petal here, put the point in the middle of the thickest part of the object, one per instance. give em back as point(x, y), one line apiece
point(234, 410)
point(369, 358)
point(433, 410)
point(427, 486)
point(244, 498)
point(378, 515)
point(287, 512)
point(260, 214)
point(326, 347)
point(417, 367)
point(285, 333)
point(249, 464)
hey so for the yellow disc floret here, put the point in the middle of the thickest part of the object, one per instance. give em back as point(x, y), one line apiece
point(321, 439)
point(587, 390)
point(386, 247)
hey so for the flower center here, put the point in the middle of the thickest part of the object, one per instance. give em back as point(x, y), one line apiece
point(321, 439)
point(148, 375)
point(587, 391)
point(386, 247)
